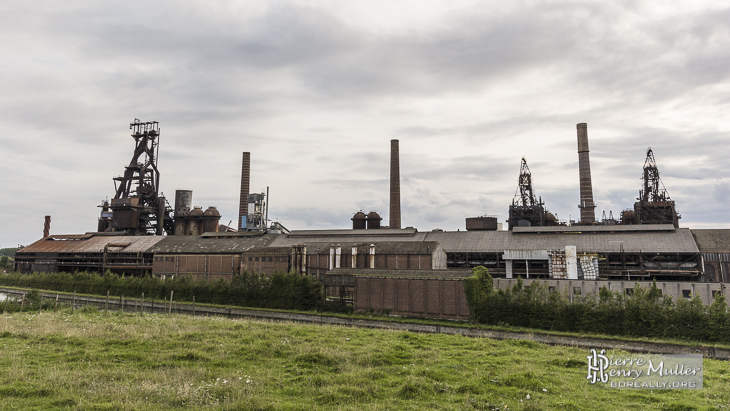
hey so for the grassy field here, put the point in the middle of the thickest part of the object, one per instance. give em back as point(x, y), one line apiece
point(90, 360)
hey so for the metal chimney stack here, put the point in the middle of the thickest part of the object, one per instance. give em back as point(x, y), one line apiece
point(587, 206)
point(394, 185)
point(245, 182)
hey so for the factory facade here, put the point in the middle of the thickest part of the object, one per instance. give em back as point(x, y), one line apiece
point(398, 270)
point(407, 272)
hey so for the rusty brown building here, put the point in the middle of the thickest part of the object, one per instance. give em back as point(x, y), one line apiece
point(208, 256)
point(88, 252)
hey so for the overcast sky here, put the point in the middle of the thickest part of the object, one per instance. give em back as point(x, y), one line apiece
point(315, 90)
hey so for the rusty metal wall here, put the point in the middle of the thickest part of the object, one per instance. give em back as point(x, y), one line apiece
point(481, 223)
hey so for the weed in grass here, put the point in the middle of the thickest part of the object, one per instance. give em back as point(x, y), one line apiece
point(679, 407)
point(567, 363)
point(23, 390)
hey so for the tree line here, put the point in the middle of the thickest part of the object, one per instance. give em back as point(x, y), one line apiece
point(644, 313)
point(281, 290)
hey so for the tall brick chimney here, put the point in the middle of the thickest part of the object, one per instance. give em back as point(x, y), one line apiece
point(587, 206)
point(394, 185)
point(47, 227)
point(245, 182)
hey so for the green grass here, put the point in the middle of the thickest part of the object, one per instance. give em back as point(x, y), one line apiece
point(89, 360)
point(424, 321)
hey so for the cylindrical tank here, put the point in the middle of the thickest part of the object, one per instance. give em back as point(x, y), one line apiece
point(211, 220)
point(373, 220)
point(180, 225)
point(183, 202)
point(359, 221)
point(551, 219)
point(195, 221)
point(628, 217)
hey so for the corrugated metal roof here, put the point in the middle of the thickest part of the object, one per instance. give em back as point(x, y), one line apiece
point(381, 247)
point(338, 238)
point(713, 240)
point(270, 250)
point(195, 244)
point(595, 228)
point(376, 232)
point(366, 272)
point(91, 243)
point(676, 241)
point(472, 241)
point(237, 234)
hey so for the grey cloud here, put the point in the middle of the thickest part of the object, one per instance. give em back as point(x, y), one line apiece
point(316, 98)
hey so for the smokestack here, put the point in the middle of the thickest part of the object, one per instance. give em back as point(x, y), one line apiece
point(245, 181)
point(47, 227)
point(587, 207)
point(394, 185)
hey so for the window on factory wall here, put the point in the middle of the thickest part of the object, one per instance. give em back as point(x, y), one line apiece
point(709, 273)
point(629, 291)
point(715, 293)
point(687, 293)
point(250, 258)
point(256, 259)
point(576, 290)
point(552, 289)
point(271, 259)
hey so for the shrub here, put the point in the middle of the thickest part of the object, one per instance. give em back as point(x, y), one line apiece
point(281, 290)
point(645, 313)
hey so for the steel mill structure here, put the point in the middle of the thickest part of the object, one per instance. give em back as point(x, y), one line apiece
point(527, 209)
point(138, 207)
point(400, 269)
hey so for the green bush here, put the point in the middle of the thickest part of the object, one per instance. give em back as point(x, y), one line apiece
point(645, 313)
point(281, 290)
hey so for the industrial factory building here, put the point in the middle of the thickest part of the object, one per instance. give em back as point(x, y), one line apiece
point(402, 270)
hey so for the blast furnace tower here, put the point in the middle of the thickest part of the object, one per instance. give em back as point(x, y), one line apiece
point(137, 207)
point(654, 205)
point(527, 209)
